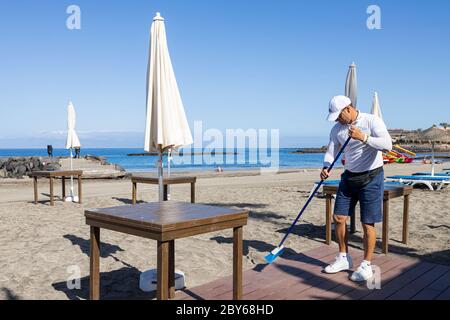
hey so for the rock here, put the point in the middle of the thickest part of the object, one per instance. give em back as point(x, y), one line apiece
point(37, 164)
point(17, 167)
point(20, 171)
point(51, 166)
point(10, 165)
point(2, 162)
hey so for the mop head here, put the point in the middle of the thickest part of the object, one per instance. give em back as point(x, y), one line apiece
point(275, 253)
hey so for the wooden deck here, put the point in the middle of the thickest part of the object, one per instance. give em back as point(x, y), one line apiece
point(300, 277)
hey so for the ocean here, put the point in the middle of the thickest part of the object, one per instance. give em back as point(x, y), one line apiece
point(234, 159)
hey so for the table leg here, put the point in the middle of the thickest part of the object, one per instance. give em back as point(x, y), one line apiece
point(163, 271)
point(165, 193)
point(63, 186)
point(193, 192)
point(171, 269)
point(405, 218)
point(51, 192)
point(133, 193)
point(385, 239)
point(80, 193)
point(35, 190)
point(237, 263)
point(94, 279)
point(328, 198)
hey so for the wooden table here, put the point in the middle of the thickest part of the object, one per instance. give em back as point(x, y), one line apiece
point(135, 179)
point(78, 174)
point(390, 191)
point(165, 222)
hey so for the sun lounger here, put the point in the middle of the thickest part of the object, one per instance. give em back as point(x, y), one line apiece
point(440, 174)
point(429, 181)
point(325, 183)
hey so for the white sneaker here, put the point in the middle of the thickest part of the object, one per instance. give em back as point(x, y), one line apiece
point(340, 264)
point(363, 273)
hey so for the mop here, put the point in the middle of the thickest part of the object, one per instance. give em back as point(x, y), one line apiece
point(280, 248)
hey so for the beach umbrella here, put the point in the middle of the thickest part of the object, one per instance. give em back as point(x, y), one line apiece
point(71, 142)
point(166, 126)
point(351, 84)
point(431, 136)
point(434, 135)
point(376, 106)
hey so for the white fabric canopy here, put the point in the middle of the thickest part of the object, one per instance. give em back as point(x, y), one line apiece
point(376, 110)
point(351, 84)
point(166, 124)
point(72, 137)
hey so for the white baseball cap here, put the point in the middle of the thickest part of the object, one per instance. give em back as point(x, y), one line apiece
point(337, 103)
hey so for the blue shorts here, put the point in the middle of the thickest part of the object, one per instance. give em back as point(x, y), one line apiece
point(370, 197)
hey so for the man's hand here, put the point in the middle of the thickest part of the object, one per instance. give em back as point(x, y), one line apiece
point(324, 174)
point(356, 134)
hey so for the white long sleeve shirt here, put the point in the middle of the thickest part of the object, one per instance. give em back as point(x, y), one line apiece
point(359, 156)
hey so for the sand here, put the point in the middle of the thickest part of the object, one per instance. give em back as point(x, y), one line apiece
point(42, 247)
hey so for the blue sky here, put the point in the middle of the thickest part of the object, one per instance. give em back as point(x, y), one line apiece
point(239, 64)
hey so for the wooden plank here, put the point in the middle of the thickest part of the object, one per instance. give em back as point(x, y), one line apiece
point(345, 285)
point(413, 288)
point(133, 192)
point(406, 277)
point(63, 187)
point(171, 269)
point(51, 192)
point(213, 227)
point(94, 278)
point(237, 263)
point(56, 173)
point(254, 279)
point(390, 270)
point(193, 192)
point(166, 180)
point(80, 192)
point(162, 291)
point(385, 232)
point(442, 283)
point(405, 219)
point(166, 216)
point(400, 277)
point(445, 295)
point(35, 186)
point(326, 284)
point(286, 277)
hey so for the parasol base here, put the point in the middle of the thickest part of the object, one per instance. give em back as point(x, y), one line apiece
point(148, 280)
point(71, 199)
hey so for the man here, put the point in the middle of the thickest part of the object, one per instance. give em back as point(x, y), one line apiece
point(362, 180)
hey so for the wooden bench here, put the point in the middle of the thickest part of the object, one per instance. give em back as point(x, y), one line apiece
point(135, 179)
point(390, 191)
point(165, 222)
point(78, 174)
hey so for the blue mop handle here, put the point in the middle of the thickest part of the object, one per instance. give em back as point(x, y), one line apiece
point(313, 193)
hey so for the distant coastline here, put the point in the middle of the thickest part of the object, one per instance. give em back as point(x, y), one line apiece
point(181, 153)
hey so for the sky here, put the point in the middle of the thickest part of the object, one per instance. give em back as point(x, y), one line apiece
point(262, 64)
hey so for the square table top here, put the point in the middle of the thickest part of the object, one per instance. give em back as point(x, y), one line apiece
point(165, 216)
point(57, 173)
point(153, 178)
point(391, 190)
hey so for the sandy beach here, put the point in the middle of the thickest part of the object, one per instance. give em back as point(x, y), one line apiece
point(43, 246)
